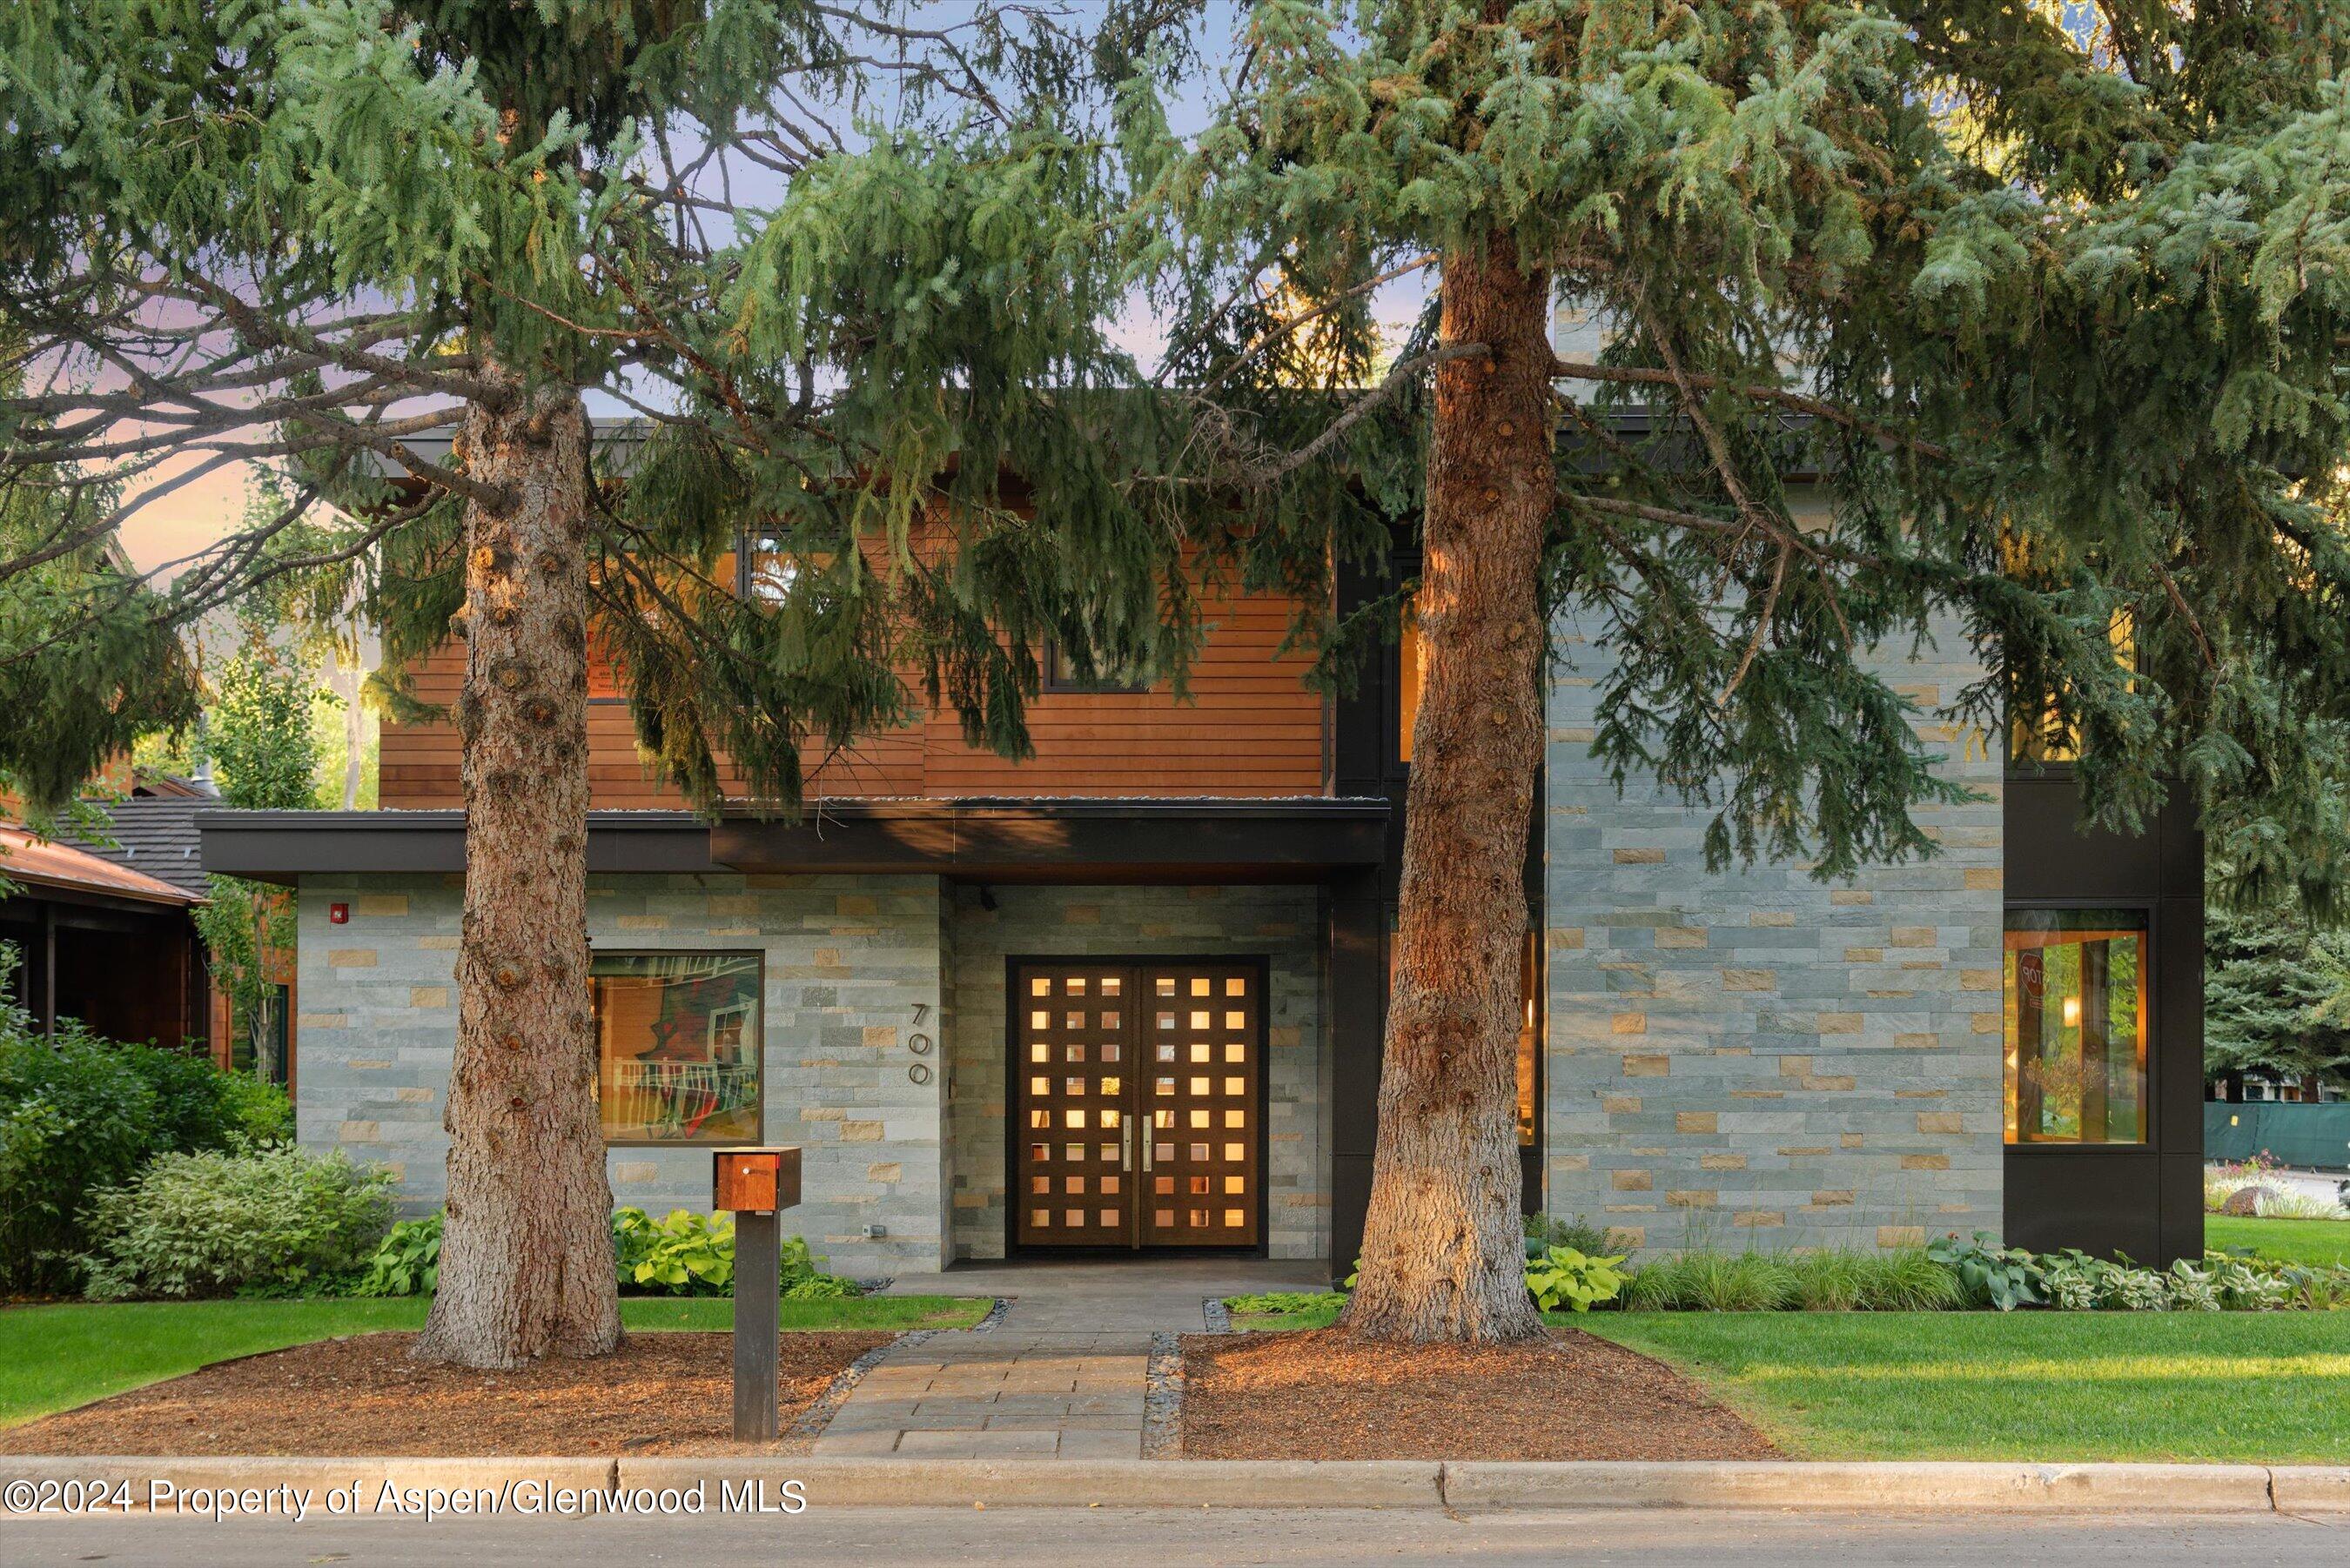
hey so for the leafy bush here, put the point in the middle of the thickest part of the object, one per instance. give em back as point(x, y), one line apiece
point(685, 1254)
point(81, 1112)
point(210, 1223)
point(1990, 1274)
point(198, 1106)
point(406, 1262)
point(1562, 1276)
point(690, 1254)
point(1544, 1231)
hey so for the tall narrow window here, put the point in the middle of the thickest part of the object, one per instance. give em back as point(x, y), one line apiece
point(1411, 679)
point(677, 1046)
point(1529, 1040)
point(2076, 1026)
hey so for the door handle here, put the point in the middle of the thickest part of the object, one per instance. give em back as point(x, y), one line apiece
point(1146, 1148)
point(1126, 1147)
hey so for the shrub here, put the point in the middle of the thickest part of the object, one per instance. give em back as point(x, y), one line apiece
point(1544, 1231)
point(75, 1115)
point(1264, 1303)
point(690, 1254)
point(211, 1223)
point(1713, 1282)
point(406, 1262)
point(2294, 1204)
point(81, 1112)
point(685, 1254)
point(1562, 1276)
point(1990, 1274)
point(1847, 1280)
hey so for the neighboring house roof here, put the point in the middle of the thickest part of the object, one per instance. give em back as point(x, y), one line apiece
point(43, 863)
point(156, 835)
point(153, 784)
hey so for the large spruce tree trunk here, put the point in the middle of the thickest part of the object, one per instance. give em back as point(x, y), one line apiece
point(1443, 1256)
point(526, 1256)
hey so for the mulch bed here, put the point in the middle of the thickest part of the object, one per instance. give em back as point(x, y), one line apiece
point(659, 1393)
point(1322, 1394)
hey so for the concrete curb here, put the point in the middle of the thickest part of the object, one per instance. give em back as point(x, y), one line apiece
point(523, 1485)
point(1862, 1487)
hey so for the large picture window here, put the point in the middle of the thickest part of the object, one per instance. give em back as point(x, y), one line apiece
point(2076, 1026)
point(677, 1046)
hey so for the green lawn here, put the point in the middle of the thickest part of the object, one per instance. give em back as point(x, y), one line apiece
point(2232, 1387)
point(2288, 1241)
point(56, 1357)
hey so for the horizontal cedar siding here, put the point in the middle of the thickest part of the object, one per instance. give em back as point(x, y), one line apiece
point(1251, 728)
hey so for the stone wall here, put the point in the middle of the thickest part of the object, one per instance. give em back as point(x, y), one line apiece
point(848, 961)
point(1280, 924)
point(1753, 1057)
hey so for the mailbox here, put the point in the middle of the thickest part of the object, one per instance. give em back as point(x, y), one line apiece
point(754, 1180)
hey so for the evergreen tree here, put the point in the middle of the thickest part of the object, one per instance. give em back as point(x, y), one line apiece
point(849, 264)
point(2276, 997)
point(2053, 301)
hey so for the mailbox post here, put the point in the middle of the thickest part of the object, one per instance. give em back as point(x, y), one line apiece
point(755, 1185)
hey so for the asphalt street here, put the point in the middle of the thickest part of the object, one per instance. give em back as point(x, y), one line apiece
point(1169, 1538)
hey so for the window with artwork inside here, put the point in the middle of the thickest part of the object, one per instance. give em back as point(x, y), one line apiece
point(677, 1046)
point(2076, 1026)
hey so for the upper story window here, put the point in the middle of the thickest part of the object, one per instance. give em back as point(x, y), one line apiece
point(1061, 674)
point(2076, 1026)
point(767, 572)
point(2041, 739)
point(677, 1046)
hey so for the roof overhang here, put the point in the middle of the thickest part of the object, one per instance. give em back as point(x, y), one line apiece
point(287, 845)
point(1289, 839)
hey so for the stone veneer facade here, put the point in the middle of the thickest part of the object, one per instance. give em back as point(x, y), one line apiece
point(1753, 1057)
point(855, 968)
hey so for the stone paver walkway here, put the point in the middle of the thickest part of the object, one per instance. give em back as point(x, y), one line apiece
point(1063, 1374)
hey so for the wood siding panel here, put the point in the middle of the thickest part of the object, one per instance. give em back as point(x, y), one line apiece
point(1250, 728)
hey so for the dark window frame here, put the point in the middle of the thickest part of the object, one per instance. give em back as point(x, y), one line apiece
point(758, 957)
point(2151, 910)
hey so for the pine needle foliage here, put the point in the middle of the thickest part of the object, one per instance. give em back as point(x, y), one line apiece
point(2049, 302)
point(849, 271)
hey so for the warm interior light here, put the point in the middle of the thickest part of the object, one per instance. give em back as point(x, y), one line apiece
point(2071, 1013)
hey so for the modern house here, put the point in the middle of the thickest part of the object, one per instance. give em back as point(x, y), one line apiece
point(1128, 995)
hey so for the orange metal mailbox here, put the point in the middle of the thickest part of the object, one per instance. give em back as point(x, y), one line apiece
point(754, 1180)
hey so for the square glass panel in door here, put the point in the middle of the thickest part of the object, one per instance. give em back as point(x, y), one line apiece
point(1070, 1017)
point(1211, 1143)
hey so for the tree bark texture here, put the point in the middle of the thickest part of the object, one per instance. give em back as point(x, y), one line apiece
point(526, 1254)
point(1443, 1253)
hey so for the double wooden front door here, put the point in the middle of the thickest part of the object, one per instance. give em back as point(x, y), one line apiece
point(1137, 1089)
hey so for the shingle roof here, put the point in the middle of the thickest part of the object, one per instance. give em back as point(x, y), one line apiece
point(43, 863)
point(156, 835)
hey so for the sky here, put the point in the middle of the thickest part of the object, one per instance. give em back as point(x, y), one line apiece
point(183, 522)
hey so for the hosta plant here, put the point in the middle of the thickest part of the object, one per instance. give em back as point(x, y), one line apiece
point(1565, 1278)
